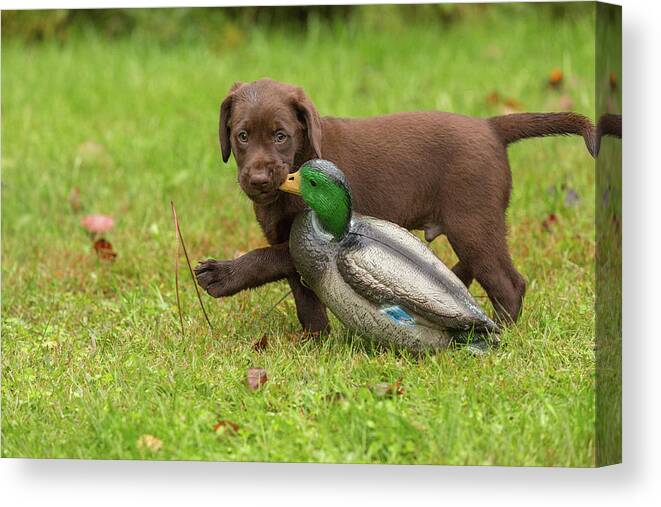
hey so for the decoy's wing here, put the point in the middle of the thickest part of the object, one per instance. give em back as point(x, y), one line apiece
point(388, 265)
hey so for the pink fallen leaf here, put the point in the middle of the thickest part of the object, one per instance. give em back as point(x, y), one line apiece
point(565, 103)
point(97, 224)
point(256, 377)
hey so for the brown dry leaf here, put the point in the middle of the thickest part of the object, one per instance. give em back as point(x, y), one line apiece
point(613, 82)
point(555, 78)
point(615, 221)
point(256, 377)
point(261, 344)
point(384, 389)
point(550, 221)
point(226, 425)
point(104, 250)
point(510, 104)
point(150, 442)
point(493, 99)
point(74, 200)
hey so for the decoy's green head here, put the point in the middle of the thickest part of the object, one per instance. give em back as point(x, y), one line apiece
point(326, 190)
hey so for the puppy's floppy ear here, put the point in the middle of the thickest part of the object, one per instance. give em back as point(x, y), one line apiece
point(308, 114)
point(223, 122)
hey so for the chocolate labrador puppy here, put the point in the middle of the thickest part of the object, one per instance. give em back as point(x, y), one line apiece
point(439, 172)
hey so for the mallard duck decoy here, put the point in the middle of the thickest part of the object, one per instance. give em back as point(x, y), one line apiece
point(376, 277)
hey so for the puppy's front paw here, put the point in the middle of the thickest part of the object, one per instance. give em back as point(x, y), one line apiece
point(215, 277)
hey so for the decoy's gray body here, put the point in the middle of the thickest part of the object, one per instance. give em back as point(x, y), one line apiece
point(381, 281)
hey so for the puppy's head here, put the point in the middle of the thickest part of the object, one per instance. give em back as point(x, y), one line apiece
point(266, 124)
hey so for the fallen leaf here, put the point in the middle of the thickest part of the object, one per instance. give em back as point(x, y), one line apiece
point(226, 425)
point(549, 221)
point(104, 250)
point(566, 103)
point(261, 344)
point(97, 224)
point(512, 104)
point(150, 442)
point(615, 221)
point(555, 78)
point(493, 99)
point(384, 389)
point(74, 199)
point(256, 377)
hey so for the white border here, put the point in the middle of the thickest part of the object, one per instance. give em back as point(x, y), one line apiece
point(64, 482)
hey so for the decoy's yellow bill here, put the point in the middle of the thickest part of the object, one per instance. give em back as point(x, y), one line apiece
point(292, 184)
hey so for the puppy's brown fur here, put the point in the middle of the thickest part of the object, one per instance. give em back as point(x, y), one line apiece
point(440, 172)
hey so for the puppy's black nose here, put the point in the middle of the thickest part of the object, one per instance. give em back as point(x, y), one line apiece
point(260, 181)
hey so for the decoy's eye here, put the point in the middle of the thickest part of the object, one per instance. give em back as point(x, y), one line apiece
point(313, 183)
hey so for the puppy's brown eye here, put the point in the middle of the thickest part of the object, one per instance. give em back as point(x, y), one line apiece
point(242, 136)
point(280, 137)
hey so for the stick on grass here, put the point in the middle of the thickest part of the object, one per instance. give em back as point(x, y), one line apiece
point(180, 241)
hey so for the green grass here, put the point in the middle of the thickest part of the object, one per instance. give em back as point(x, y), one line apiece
point(92, 357)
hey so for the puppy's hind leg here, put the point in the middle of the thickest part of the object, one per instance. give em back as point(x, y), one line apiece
point(310, 311)
point(485, 255)
point(464, 273)
point(461, 269)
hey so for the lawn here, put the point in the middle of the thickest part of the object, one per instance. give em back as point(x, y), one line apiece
point(92, 354)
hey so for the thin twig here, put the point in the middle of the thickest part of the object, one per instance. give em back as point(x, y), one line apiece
point(43, 333)
point(190, 269)
point(176, 267)
point(266, 313)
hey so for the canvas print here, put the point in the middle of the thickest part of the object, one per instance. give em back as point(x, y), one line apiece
point(384, 234)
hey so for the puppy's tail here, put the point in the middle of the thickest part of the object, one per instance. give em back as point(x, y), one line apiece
point(608, 125)
point(514, 127)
